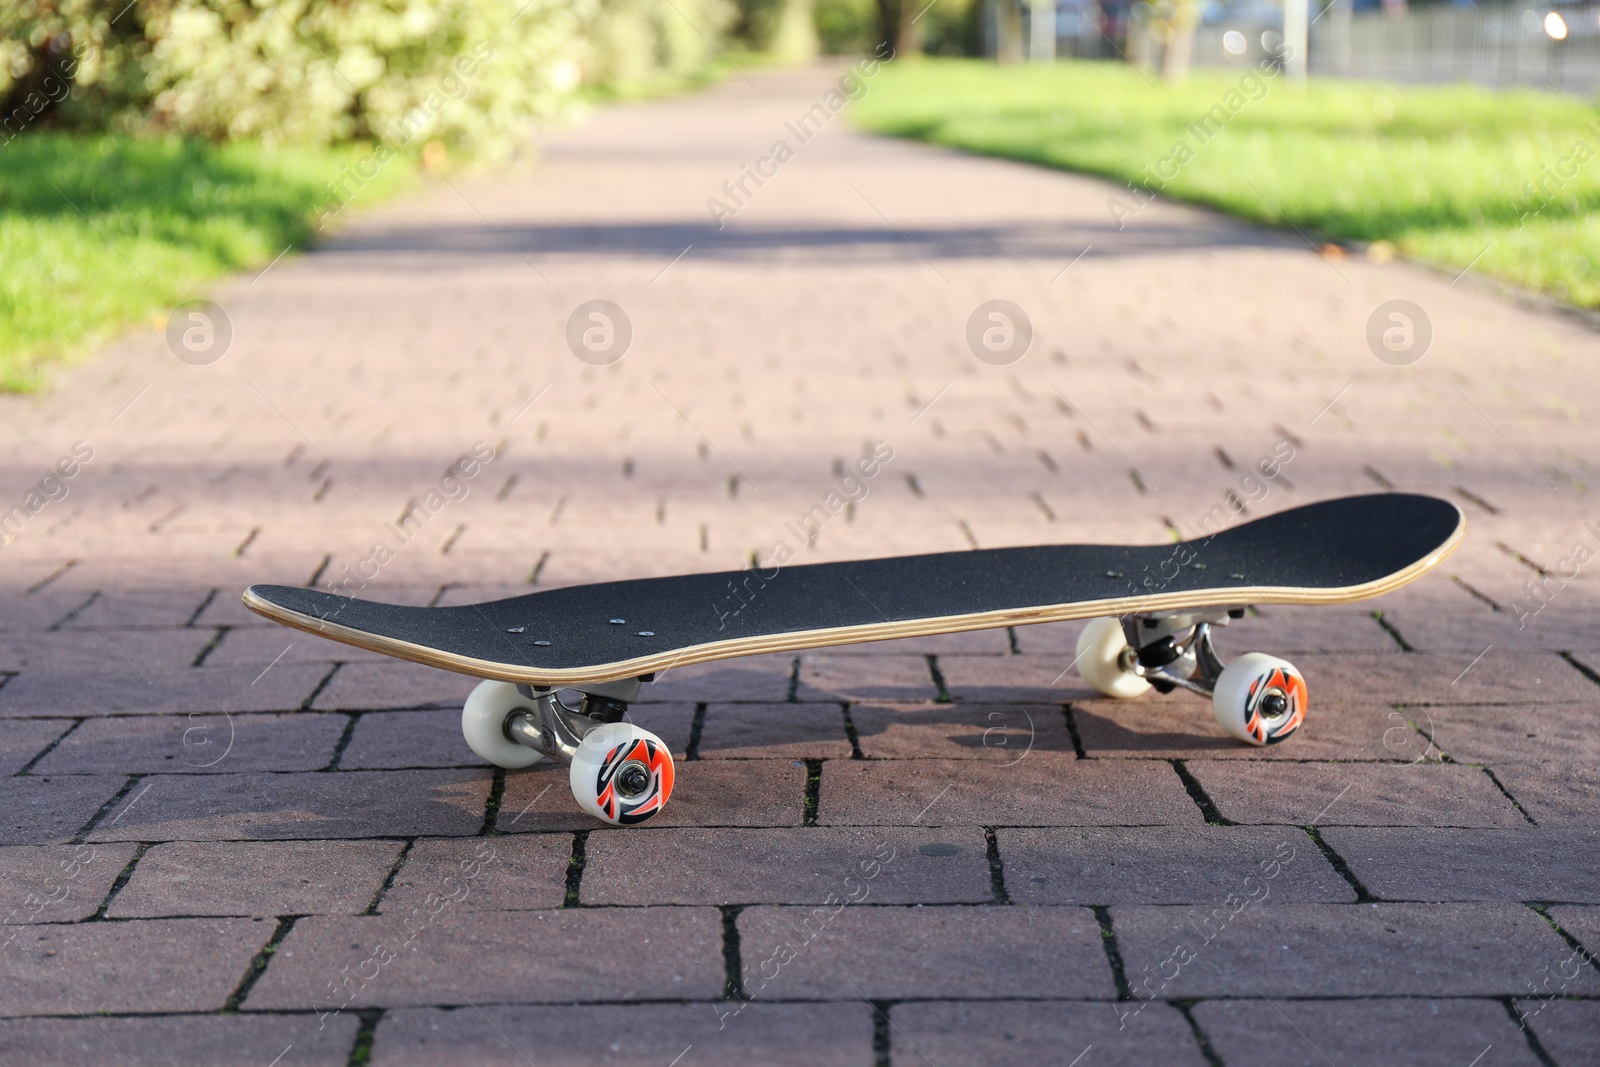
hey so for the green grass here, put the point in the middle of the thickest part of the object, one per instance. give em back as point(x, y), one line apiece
point(1437, 171)
point(97, 233)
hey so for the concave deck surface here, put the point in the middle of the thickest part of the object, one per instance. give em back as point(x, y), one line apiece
point(1331, 552)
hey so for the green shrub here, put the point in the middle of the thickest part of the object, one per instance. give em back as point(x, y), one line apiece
point(950, 28)
point(635, 46)
point(467, 73)
point(848, 27)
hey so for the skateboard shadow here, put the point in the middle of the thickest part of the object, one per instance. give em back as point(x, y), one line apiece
point(999, 732)
point(1153, 729)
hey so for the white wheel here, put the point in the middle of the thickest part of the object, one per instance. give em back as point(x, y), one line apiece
point(1259, 699)
point(1100, 647)
point(483, 724)
point(621, 774)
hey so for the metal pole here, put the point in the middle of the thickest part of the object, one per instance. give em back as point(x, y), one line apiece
point(1296, 24)
point(1042, 31)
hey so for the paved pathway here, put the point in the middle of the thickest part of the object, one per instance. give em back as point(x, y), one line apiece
point(228, 843)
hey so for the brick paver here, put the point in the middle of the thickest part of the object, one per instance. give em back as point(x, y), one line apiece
point(38, 810)
point(1164, 865)
point(181, 1040)
point(22, 742)
point(1402, 863)
point(431, 954)
point(1045, 789)
point(58, 883)
point(165, 965)
point(774, 731)
point(1559, 793)
point(197, 743)
point(1185, 727)
point(1569, 1030)
point(1580, 923)
point(789, 866)
point(225, 807)
point(644, 1035)
point(1237, 949)
point(1360, 794)
point(256, 878)
point(488, 874)
point(1307, 1033)
point(1055, 840)
point(839, 952)
point(206, 690)
point(997, 733)
point(1011, 1034)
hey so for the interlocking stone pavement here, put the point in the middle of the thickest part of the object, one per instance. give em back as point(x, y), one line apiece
point(225, 842)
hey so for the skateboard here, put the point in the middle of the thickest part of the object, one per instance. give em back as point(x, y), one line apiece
point(560, 667)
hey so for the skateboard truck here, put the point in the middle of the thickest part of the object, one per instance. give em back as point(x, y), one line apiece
point(556, 730)
point(1256, 698)
point(618, 771)
point(1175, 651)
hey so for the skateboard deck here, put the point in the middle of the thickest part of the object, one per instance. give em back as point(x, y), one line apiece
point(1333, 552)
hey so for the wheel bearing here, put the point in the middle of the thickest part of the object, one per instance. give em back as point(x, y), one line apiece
point(633, 779)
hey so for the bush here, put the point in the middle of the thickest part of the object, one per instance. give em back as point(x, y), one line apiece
point(468, 73)
point(848, 27)
point(634, 46)
point(950, 28)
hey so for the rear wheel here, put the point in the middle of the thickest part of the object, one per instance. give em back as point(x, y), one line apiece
point(1103, 655)
point(483, 724)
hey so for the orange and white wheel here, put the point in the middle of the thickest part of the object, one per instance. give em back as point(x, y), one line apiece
point(1259, 699)
point(621, 774)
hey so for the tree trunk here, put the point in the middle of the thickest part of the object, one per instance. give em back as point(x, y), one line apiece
point(886, 21)
point(908, 29)
point(1008, 19)
point(795, 40)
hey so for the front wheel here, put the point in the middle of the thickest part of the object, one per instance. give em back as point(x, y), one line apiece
point(1259, 699)
point(621, 774)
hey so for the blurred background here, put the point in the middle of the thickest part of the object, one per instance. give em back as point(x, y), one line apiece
point(198, 137)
